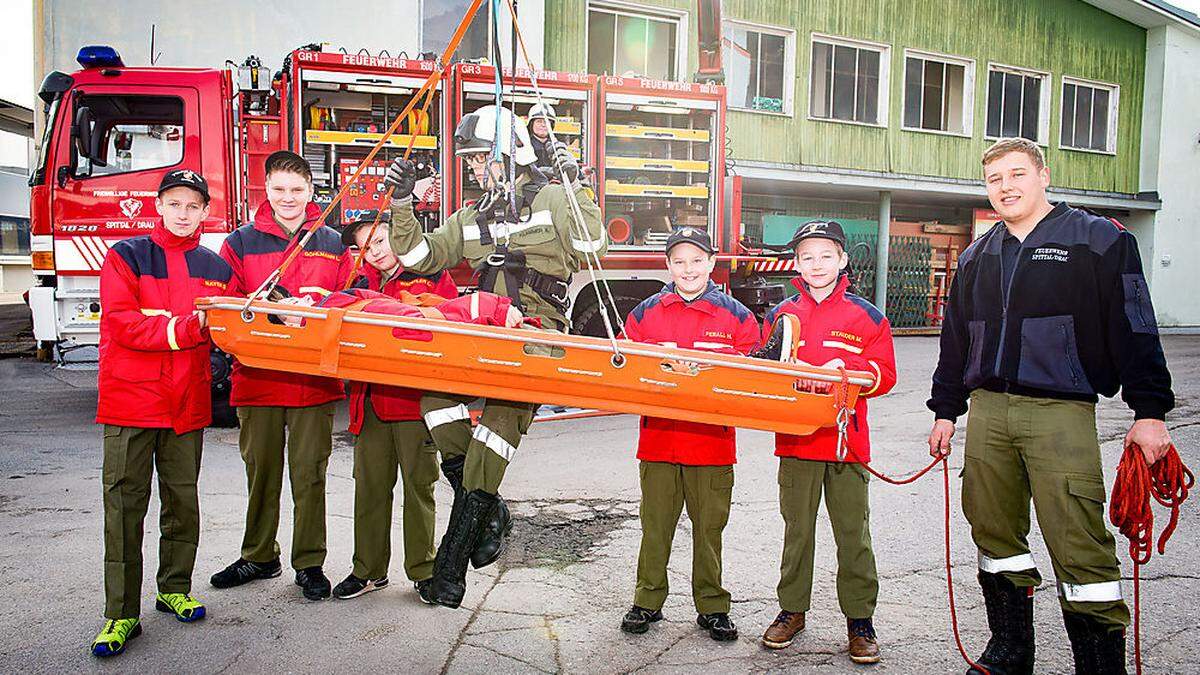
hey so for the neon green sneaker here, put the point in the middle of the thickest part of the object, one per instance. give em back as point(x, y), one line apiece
point(116, 633)
point(185, 608)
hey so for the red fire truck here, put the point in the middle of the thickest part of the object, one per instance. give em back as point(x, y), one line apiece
point(655, 152)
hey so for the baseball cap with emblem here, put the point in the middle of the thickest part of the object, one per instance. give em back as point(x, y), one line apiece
point(819, 229)
point(690, 235)
point(184, 178)
point(350, 231)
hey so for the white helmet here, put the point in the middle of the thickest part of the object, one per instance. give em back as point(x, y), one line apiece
point(542, 110)
point(476, 132)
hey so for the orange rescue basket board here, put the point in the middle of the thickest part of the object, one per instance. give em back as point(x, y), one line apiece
point(533, 366)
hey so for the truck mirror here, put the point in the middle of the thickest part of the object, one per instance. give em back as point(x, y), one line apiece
point(87, 142)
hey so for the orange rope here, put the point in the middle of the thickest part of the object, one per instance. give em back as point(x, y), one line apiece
point(429, 85)
point(1168, 481)
point(386, 202)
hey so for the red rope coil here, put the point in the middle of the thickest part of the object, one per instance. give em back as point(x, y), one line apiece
point(1129, 509)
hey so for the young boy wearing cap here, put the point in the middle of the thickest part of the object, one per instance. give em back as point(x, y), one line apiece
point(390, 433)
point(154, 402)
point(275, 407)
point(686, 462)
point(836, 328)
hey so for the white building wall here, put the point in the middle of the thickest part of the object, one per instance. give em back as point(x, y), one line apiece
point(205, 34)
point(1171, 165)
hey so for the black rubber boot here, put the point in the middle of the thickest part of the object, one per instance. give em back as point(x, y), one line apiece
point(491, 541)
point(781, 343)
point(1099, 649)
point(450, 568)
point(1010, 617)
point(452, 469)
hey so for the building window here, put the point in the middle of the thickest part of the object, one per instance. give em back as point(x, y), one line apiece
point(938, 93)
point(1089, 116)
point(759, 67)
point(1018, 104)
point(624, 42)
point(849, 81)
point(14, 235)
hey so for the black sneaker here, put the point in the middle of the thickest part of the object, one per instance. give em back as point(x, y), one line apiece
point(244, 571)
point(313, 582)
point(718, 625)
point(638, 619)
point(352, 587)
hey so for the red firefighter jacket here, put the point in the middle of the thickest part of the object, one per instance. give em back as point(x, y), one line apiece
point(847, 327)
point(154, 356)
point(254, 251)
point(395, 404)
point(712, 322)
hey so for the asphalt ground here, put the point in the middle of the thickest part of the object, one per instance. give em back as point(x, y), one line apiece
point(554, 601)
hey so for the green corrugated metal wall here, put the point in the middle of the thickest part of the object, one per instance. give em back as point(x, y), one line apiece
point(1064, 37)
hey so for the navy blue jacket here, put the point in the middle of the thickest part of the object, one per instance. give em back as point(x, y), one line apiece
point(1078, 321)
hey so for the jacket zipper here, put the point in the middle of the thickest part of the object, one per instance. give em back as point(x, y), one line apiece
point(1067, 356)
point(1004, 305)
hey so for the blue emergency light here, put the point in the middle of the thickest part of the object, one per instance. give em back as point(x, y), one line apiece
point(99, 56)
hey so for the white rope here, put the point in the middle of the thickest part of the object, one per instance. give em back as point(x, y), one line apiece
point(591, 257)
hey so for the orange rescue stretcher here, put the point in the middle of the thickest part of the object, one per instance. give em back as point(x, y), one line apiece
point(533, 366)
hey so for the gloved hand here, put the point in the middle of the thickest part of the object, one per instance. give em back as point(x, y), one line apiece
point(564, 162)
point(401, 176)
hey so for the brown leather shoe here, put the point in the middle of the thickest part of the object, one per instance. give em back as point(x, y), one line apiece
point(783, 630)
point(863, 648)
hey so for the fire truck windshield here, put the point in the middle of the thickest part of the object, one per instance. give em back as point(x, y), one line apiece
point(38, 175)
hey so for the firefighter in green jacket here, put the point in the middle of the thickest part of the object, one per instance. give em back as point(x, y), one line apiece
point(523, 239)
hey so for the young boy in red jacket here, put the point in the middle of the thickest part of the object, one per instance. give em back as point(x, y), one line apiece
point(686, 462)
point(275, 407)
point(836, 329)
point(389, 434)
point(154, 402)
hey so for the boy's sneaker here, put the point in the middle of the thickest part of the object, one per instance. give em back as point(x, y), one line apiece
point(115, 635)
point(863, 647)
point(781, 345)
point(313, 582)
point(718, 625)
point(185, 608)
point(352, 587)
point(638, 619)
point(244, 571)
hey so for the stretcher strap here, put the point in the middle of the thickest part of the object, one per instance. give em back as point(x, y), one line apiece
point(426, 88)
point(331, 328)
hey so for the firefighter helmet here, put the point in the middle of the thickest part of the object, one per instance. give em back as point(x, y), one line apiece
point(477, 130)
point(542, 110)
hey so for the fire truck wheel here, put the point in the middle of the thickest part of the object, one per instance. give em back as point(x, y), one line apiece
point(223, 415)
point(589, 321)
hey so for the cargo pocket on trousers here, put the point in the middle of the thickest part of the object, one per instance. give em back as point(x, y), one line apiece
point(1083, 530)
point(115, 456)
point(723, 480)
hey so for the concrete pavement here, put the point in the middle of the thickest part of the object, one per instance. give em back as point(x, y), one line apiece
point(555, 600)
